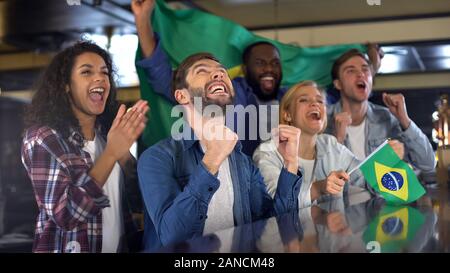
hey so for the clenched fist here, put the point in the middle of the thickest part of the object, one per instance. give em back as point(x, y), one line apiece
point(341, 122)
point(398, 147)
point(397, 106)
point(219, 143)
point(142, 9)
point(287, 144)
point(335, 182)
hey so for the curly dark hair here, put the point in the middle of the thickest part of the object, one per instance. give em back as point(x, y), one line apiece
point(51, 106)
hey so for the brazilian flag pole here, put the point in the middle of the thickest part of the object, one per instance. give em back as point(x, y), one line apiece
point(392, 177)
point(184, 32)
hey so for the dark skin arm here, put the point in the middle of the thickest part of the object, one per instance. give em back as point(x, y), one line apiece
point(375, 54)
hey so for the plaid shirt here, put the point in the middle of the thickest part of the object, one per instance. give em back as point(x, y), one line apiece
point(70, 202)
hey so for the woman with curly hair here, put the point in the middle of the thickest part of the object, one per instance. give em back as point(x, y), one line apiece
point(76, 153)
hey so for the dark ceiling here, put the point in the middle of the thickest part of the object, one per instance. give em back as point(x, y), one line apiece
point(48, 25)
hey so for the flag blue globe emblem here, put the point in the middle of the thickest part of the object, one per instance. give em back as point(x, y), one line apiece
point(392, 181)
point(392, 226)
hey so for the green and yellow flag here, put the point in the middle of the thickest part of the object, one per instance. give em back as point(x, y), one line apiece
point(184, 32)
point(391, 177)
point(393, 228)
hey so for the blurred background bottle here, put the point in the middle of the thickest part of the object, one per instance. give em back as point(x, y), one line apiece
point(441, 125)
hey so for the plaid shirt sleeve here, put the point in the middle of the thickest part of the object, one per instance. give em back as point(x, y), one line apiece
point(60, 179)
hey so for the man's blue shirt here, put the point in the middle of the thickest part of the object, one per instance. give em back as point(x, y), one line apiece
point(177, 188)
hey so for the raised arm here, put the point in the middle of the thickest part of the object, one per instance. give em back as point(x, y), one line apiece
point(125, 129)
point(418, 149)
point(375, 54)
point(287, 185)
point(142, 10)
point(269, 164)
point(155, 61)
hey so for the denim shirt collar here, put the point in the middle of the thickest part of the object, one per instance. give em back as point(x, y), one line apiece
point(321, 151)
point(370, 114)
point(188, 143)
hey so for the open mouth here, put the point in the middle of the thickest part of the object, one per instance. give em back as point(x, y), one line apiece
point(267, 82)
point(314, 115)
point(217, 89)
point(96, 94)
point(361, 85)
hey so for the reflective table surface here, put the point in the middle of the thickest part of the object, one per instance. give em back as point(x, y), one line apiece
point(356, 222)
point(18, 213)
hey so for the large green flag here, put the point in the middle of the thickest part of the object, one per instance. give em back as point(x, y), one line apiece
point(184, 32)
point(393, 229)
point(391, 176)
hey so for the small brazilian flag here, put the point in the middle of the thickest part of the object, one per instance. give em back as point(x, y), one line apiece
point(394, 228)
point(391, 176)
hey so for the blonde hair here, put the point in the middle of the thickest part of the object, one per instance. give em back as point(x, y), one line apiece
point(289, 97)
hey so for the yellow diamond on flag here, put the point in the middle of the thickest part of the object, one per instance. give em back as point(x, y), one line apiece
point(393, 226)
point(392, 180)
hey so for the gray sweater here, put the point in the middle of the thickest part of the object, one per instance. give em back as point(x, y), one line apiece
point(380, 125)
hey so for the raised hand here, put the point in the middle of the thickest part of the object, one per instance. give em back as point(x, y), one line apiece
point(398, 147)
point(141, 106)
point(397, 106)
point(342, 121)
point(375, 54)
point(219, 142)
point(142, 9)
point(126, 128)
point(287, 144)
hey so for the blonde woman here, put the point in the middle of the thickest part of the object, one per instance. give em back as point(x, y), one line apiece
point(323, 162)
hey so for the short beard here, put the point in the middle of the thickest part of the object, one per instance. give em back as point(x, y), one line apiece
point(254, 84)
point(200, 93)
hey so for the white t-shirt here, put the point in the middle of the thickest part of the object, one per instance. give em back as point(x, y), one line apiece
point(112, 216)
point(220, 208)
point(304, 197)
point(226, 240)
point(357, 139)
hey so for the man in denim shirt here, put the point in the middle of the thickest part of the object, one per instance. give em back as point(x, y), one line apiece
point(361, 125)
point(196, 185)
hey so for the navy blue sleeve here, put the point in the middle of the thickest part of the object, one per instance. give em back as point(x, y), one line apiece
point(288, 189)
point(158, 70)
